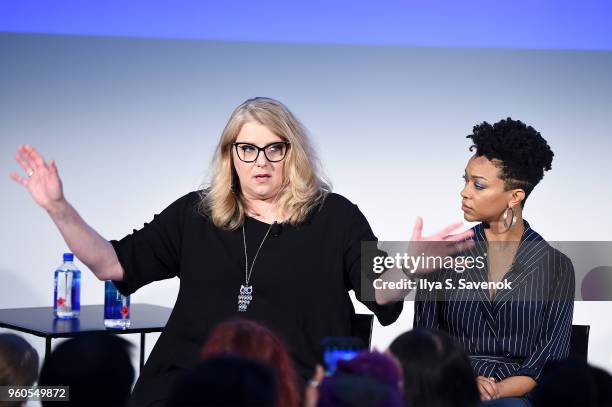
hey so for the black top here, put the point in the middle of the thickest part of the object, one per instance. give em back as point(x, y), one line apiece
point(300, 280)
point(523, 327)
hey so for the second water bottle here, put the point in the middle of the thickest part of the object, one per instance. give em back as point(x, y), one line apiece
point(116, 307)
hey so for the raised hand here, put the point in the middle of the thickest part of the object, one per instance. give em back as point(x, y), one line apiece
point(442, 235)
point(41, 178)
point(440, 244)
point(311, 393)
point(44, 184)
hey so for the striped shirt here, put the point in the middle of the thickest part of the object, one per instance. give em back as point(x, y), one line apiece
point(523, 327)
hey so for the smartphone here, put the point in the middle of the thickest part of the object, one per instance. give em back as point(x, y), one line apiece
point(340, 348)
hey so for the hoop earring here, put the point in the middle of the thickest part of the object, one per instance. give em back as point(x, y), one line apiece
point(512, 222)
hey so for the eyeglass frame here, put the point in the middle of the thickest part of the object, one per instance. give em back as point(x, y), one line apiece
point(260, 149)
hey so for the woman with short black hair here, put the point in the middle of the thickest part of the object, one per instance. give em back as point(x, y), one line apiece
point(509, 333)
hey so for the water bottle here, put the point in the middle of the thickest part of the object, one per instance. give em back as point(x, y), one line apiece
point(67, 291)
point(116, 307)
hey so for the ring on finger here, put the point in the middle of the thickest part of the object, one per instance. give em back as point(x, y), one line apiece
point(313, 383)
point(29, 173)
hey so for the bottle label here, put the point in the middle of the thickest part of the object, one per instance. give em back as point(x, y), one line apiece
point(64, 300)
point(116, 305)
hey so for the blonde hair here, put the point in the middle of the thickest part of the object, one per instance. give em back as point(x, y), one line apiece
point(303, 187)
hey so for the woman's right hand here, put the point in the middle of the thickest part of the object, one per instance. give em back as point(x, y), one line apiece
point(42, 179)
point(45, 186)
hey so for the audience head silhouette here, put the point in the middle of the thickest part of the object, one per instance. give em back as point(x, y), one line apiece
point(254, 341)
point(370, 379)
point(436, 370)
point(96, 367)
point(226, 381)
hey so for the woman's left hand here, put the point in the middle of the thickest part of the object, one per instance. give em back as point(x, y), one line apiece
point(488, 388)
point(441, 244)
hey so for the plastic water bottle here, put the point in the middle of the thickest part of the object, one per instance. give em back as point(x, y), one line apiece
point(67, 292)
point(116, 307)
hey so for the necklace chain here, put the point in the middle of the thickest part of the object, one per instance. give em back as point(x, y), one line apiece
point(245, 295)
point(247, 272)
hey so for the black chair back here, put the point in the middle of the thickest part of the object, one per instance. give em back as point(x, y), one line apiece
point(362, 328)
point(579, 342)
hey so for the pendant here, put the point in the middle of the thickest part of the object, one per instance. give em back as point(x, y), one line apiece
point(245, 297)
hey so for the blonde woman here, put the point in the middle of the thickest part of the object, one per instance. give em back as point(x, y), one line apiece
point(266, 240)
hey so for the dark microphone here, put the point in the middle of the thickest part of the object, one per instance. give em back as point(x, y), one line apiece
point(276, 229)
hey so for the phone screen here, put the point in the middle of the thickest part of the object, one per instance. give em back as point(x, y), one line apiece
point(332, 356)
point(339, 348)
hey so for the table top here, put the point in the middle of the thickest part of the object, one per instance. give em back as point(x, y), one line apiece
point(40, 321)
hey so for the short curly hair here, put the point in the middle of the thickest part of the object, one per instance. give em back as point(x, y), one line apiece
point(519, 151)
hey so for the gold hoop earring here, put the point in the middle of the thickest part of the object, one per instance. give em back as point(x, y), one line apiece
point(512, 222)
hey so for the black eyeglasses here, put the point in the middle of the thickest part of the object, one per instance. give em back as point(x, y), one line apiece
point(274, 152)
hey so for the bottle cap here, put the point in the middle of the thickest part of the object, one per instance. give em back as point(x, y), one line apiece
point(68, 257)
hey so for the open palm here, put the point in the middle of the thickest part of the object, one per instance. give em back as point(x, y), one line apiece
point(440, 244)
point(42, 179)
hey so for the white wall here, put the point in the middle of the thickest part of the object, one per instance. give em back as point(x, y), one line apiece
point(133, 123)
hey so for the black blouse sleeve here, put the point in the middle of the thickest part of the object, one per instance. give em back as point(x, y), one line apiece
point(153, 252)
point(360, 231)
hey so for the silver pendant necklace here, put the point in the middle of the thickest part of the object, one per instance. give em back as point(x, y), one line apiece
point(245, 295)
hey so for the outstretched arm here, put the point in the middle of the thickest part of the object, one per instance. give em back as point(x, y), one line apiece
point(45, 186)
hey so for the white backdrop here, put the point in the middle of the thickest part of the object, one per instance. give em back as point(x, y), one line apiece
point(132, 125)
